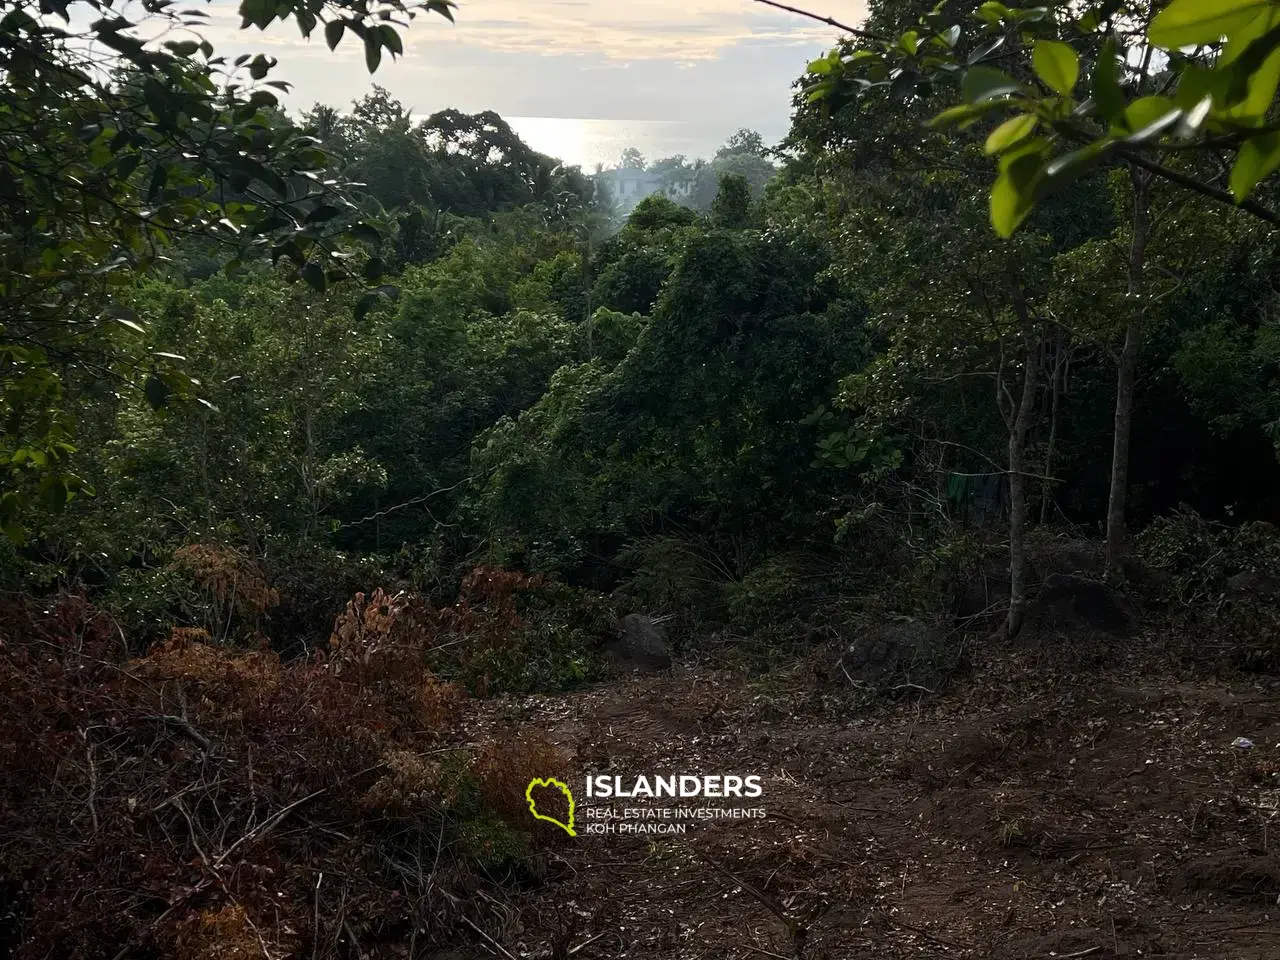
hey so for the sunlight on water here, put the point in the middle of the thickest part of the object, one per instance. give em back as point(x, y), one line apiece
point(588, 142)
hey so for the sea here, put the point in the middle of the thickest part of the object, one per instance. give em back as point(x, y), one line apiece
point(586, 143)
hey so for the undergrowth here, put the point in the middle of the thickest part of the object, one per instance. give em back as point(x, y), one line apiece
point(209, 798)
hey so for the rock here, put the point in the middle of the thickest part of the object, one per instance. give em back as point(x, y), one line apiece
point(1069, 602)
point(982, 594)
point(641, 642)
point(1257, 585)
point(904, 655)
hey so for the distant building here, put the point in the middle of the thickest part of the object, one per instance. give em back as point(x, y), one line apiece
point(628, 186)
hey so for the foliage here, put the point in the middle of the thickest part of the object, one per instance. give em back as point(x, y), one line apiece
point(141, 143)
point(171, 787)
point(1223, 581)
point(1077, 86)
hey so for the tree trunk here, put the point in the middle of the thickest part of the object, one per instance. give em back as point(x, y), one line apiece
point(1018, 505)
point(1126, 376)
point(1056, 373)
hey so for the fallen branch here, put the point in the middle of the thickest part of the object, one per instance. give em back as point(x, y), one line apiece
point(492, 942)
point(262, 829)
point(794, 928)
point(183, 725)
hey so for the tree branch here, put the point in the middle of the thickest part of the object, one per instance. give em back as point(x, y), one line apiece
point(852, 31)
point(1204, 189)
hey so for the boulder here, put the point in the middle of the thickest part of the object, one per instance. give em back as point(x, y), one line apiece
point(640, 642)
point(1069, 603)
point(981, 594)
point(1255, 585)
point(904, 655)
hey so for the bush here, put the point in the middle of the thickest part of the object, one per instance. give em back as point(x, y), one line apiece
point(1224, 582)
point(183, 803)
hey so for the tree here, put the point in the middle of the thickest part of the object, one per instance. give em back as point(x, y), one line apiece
point(98, 177)
point(1214, 93)
point(1219, 65)
point(732, 205)
point(743, 155)
point(631, 159)
point(743, 140)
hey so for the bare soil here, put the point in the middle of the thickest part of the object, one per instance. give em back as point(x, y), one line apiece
point(1037, 810)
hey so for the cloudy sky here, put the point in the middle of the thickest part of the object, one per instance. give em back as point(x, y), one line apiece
point(709, 64)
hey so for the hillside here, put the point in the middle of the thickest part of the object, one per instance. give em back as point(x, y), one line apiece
point(926, 464)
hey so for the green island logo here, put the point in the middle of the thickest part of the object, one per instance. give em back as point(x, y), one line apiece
point(553, 784)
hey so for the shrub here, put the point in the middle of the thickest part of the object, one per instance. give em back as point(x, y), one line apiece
point(183, 803)
point(1224, 582)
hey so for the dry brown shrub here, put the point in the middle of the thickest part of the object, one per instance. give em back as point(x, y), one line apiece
point(411, 783)
point(440, 704)
point(504, 767)
point(224, 934)
point(379, 637)
point(235, 580)
point(384, 640)
point(123, 782)
point(188, 655)
point(486, 609)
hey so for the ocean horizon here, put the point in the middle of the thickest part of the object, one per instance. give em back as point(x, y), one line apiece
point(585, 142)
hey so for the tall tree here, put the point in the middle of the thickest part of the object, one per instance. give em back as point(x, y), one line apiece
point(98, 177)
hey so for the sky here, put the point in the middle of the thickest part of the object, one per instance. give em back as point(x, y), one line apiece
point(681, 74)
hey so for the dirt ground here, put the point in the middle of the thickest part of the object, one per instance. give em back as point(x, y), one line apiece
point(1027, 813)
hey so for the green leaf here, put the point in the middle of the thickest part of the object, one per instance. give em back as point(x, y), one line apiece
point(1251, 63)
point(987, 83)
point(313, 273)
point(1196, 83)
point(442, 7)
point(258, 13)
point(1144, 112)
point(985, 50)
point(373, 51)
point(1057, 65)
point(391, 40)
point(1193, 119)
point(1011, 132)
point(157, 392)
point(127, 164)
point(259, 67)
point(1187, 23)
point(366, 233)
point(1107, 94)
point(323, 213)
point(159, 177)
point(993, 12)
point(961, 115)
point(1071, 166)
point(1259, 157)
point(1014, 194)
point(904, 84)
point(333, 32)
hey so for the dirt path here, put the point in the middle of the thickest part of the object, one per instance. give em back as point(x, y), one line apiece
point(1097, 816)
